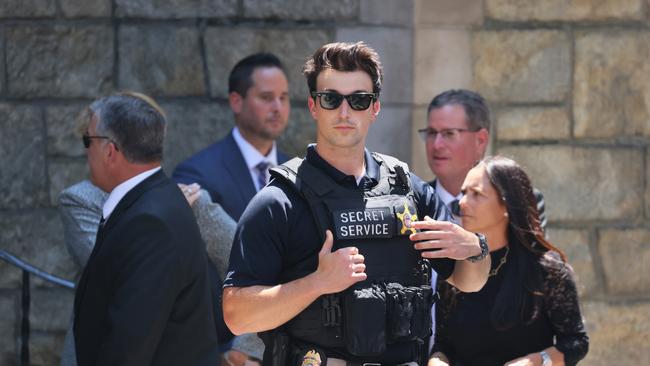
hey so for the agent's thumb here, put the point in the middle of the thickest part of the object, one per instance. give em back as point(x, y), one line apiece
point(327, 245)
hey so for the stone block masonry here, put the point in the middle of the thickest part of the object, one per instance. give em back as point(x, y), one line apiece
point(567, 82)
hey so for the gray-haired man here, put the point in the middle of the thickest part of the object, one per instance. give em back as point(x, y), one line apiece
point(144, 296)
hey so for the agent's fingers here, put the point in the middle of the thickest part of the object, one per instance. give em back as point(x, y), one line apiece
point(357, 258)
point(440, 253)
point(428, 235)
point(431, 225)
point(350, 250)
point(359, 276)
point(429, 244)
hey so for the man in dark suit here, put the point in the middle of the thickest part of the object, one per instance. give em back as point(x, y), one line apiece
point(144, 297)
point(233, 169)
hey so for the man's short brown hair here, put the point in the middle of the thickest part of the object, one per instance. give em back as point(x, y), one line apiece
point(344, 57)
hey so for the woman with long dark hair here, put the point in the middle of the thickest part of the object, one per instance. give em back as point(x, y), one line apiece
point(527, 313)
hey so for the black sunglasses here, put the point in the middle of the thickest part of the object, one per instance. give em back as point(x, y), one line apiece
point(331, 100)
point(87, 139)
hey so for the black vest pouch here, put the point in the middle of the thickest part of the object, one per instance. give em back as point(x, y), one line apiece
point(408, 312)
point(319, 323)
point(400, 311)
point(421, 322)
point(277, 348)
point(365, 321)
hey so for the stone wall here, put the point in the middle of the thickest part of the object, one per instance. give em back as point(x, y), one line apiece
point(569, 86)
point(568, 82)
point(56, 56)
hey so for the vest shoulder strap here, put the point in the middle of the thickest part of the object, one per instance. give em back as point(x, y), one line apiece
point(398, 171)
point(391, 162)
point(298, 174)
point(301, 174)
point(288, 171)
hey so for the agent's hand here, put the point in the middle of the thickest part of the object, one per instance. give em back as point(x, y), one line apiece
point(443, 239)
point(190, 191)
point(340, 269)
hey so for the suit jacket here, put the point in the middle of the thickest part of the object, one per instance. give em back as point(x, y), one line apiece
point(80, 209)
point(222, 171)
point(144, 296)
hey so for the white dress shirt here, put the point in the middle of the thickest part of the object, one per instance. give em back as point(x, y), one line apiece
point(122, 189)
point(446, 197)
point(252, 156)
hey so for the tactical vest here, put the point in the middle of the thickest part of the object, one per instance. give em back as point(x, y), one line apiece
point(375, 320)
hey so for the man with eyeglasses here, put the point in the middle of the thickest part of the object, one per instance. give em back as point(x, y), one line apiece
point(456, 138)
point(330, 260)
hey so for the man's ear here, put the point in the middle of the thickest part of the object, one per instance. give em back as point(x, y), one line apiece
point(376, 106)
point(311, 103)
point(111, 153)
point(482, 139)
point(236, 102)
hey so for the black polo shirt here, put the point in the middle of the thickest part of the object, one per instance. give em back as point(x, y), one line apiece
point(277, 240)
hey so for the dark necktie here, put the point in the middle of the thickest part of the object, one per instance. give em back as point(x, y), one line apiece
point(98, 236)
point(454, 206)
point(262, 170)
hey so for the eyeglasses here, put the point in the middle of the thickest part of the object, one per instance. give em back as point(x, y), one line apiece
point(86, 139)
point(331, 100)
point(447, 134)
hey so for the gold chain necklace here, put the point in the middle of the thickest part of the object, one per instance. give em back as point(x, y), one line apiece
point(503, 261)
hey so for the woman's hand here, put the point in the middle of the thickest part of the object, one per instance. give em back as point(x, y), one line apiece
point(190, 191)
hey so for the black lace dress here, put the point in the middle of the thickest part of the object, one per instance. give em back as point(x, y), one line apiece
point(465, 334)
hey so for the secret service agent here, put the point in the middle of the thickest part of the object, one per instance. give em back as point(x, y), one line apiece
point(284, 247)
